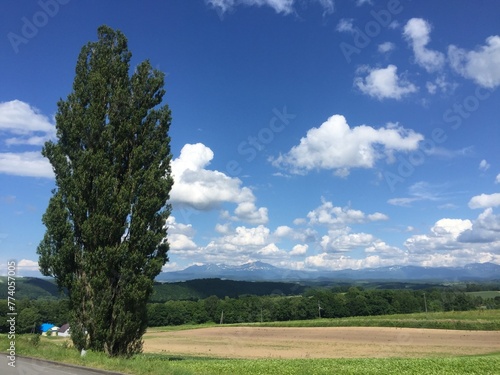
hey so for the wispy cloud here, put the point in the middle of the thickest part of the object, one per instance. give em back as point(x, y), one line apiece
point(418, 192)
point(345, 25)
point(363, 2)
point(280, 6)
point(484, 165)
point(451, 154)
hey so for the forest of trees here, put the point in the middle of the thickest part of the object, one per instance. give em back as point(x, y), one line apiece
point(312, 304)
point(334, 302)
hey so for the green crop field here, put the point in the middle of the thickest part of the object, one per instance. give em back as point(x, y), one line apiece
point(482, 320)
point(486, 294)
point(436, 366)
point(488, 320)
point(164, 365)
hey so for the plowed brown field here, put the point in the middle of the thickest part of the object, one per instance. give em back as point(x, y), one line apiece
point(328, 342)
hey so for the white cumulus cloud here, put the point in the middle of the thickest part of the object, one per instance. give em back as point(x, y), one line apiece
point(442, 237)
point(386, 47)
point(457, 242)
point(416, 32)
point(271, 251)
point(27, 265)
point(283, 231)
point(27, 164)
point(383, 83)
point(481, 65)
point(299, 250)
point(24, 125)
point(485, 201)
point(337, 146)
point(247, 211)
point(239, 245)
point(330, 215)
point(180, 236)
point(345, 242)
point(244, 236)
point(382, 248)
point(485, 229)
point(340, 261)
point(204, 189)
point(18, 117)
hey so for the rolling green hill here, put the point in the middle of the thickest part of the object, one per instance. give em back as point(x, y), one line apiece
point(42, 288)
point(31, 288)
point(37, 288)
point(203, 288)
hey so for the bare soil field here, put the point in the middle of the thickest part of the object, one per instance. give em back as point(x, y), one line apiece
point(322, 342)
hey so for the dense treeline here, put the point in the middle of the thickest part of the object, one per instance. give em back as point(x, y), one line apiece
point(31, 313)
point(311, 305)
point(337, 302)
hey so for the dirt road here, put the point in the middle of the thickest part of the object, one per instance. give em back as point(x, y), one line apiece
point(341, 342)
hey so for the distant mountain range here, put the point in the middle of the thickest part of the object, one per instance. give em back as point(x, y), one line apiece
point(259, 271)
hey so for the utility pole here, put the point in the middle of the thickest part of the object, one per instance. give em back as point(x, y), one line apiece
point(425, 303)
point(222, 317)
point(319, 310)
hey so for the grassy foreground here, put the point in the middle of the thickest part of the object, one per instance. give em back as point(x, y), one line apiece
point(151, 364)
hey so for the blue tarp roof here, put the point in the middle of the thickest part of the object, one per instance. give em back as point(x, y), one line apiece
point(46, 326)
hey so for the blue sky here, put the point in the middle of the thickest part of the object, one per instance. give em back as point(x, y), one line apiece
point(309, 134)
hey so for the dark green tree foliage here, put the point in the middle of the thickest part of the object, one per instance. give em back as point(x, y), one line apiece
point(354, 302)
point(106, 236)
point(28, 320)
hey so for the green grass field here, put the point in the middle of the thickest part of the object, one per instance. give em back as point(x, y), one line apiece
point(149, 364)
point(486, 294)
point(484, 320)
point(477, 320)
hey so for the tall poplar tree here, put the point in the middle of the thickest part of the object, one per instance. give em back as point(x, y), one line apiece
point(106, 221)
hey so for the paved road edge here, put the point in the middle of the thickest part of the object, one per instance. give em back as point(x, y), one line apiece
point(101, 371)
